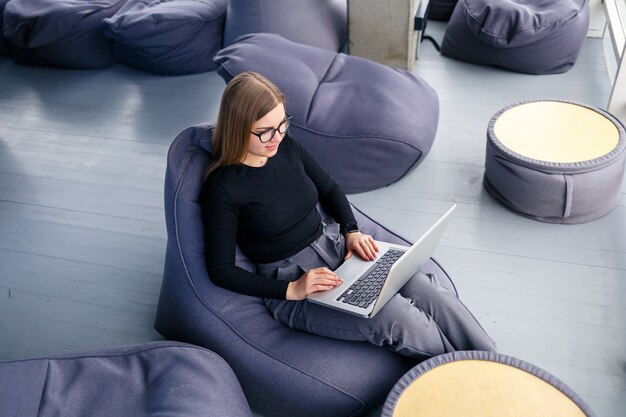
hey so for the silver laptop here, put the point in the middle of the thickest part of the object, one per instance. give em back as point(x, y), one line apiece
point(368, 285)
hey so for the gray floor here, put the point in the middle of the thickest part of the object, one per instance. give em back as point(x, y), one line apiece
point(82, 238)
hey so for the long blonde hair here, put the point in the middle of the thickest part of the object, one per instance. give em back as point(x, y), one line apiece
point(247, 98)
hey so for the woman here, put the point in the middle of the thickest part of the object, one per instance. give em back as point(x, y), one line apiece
point(261, 192)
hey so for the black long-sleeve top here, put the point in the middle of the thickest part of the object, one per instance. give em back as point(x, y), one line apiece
point(270, 212)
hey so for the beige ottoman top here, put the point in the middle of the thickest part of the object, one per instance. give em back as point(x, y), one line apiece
point(479, 388)
point(555, 131)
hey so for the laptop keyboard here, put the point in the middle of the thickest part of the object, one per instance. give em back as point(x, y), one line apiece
point(365, 290)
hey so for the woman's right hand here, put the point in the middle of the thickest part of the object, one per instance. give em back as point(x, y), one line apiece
point(318, 279)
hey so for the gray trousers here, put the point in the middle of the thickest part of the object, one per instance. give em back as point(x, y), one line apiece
point(422, 319)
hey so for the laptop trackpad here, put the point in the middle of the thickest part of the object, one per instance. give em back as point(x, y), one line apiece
point(353, 268)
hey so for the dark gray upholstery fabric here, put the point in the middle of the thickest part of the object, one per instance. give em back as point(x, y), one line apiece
point(173, 37)
point(441, 9)
point(152, 379)
point(552, 192)
point(5, 45)
point(424, 367)
point(320, 23)
point(369, 124)
point(62, 33)
point(529, 36)
point(282, 372)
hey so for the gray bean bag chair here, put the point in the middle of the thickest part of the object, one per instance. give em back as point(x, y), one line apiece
point(321, 23)
point(441, 9)
point(529, 36)
point(5, 45)
point(149, 380)
point(370, 124)
point(174, 37)
point(61, 33)
point(284, 373)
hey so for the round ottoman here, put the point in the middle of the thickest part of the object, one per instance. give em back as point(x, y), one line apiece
point(175, 37)
point(528, 36)
point(60, 33)
point(555, 161)
point(481, 384)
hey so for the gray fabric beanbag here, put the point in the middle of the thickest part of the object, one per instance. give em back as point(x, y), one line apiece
point(5, 45)
point(555, 161)
point(321, 23)
point(529, 36)
point(62, 33)
point(284, 373)
point(441, 9)
point(368, 124)
point(173, 37)
point(148, 380)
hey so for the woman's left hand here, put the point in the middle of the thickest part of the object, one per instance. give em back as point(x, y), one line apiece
point(363, 245)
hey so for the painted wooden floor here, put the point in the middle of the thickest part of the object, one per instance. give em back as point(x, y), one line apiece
point(82, 235)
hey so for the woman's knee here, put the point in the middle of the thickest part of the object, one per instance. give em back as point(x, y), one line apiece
point(425, 292)
point(407, 328)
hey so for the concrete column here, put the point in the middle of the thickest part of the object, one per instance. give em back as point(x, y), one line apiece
point(383, 31)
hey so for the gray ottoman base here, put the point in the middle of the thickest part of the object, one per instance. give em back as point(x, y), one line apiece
point(555, 192)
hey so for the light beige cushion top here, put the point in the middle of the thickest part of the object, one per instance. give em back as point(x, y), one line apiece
point(555, 131)
point(478, 388)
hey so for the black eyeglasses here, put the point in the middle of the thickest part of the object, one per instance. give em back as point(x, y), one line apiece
point(267, 135)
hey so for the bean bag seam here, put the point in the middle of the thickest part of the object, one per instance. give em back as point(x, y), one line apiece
point(128, 42)
point(308, 114)
point(416, 159)
point(498, 196)
point(502, 159)
point(369, 136)
point(566, 17)
point(43, 388)
point(132, 351)
point(153, 23)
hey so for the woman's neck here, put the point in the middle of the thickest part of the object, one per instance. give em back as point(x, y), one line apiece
point(254, 161)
